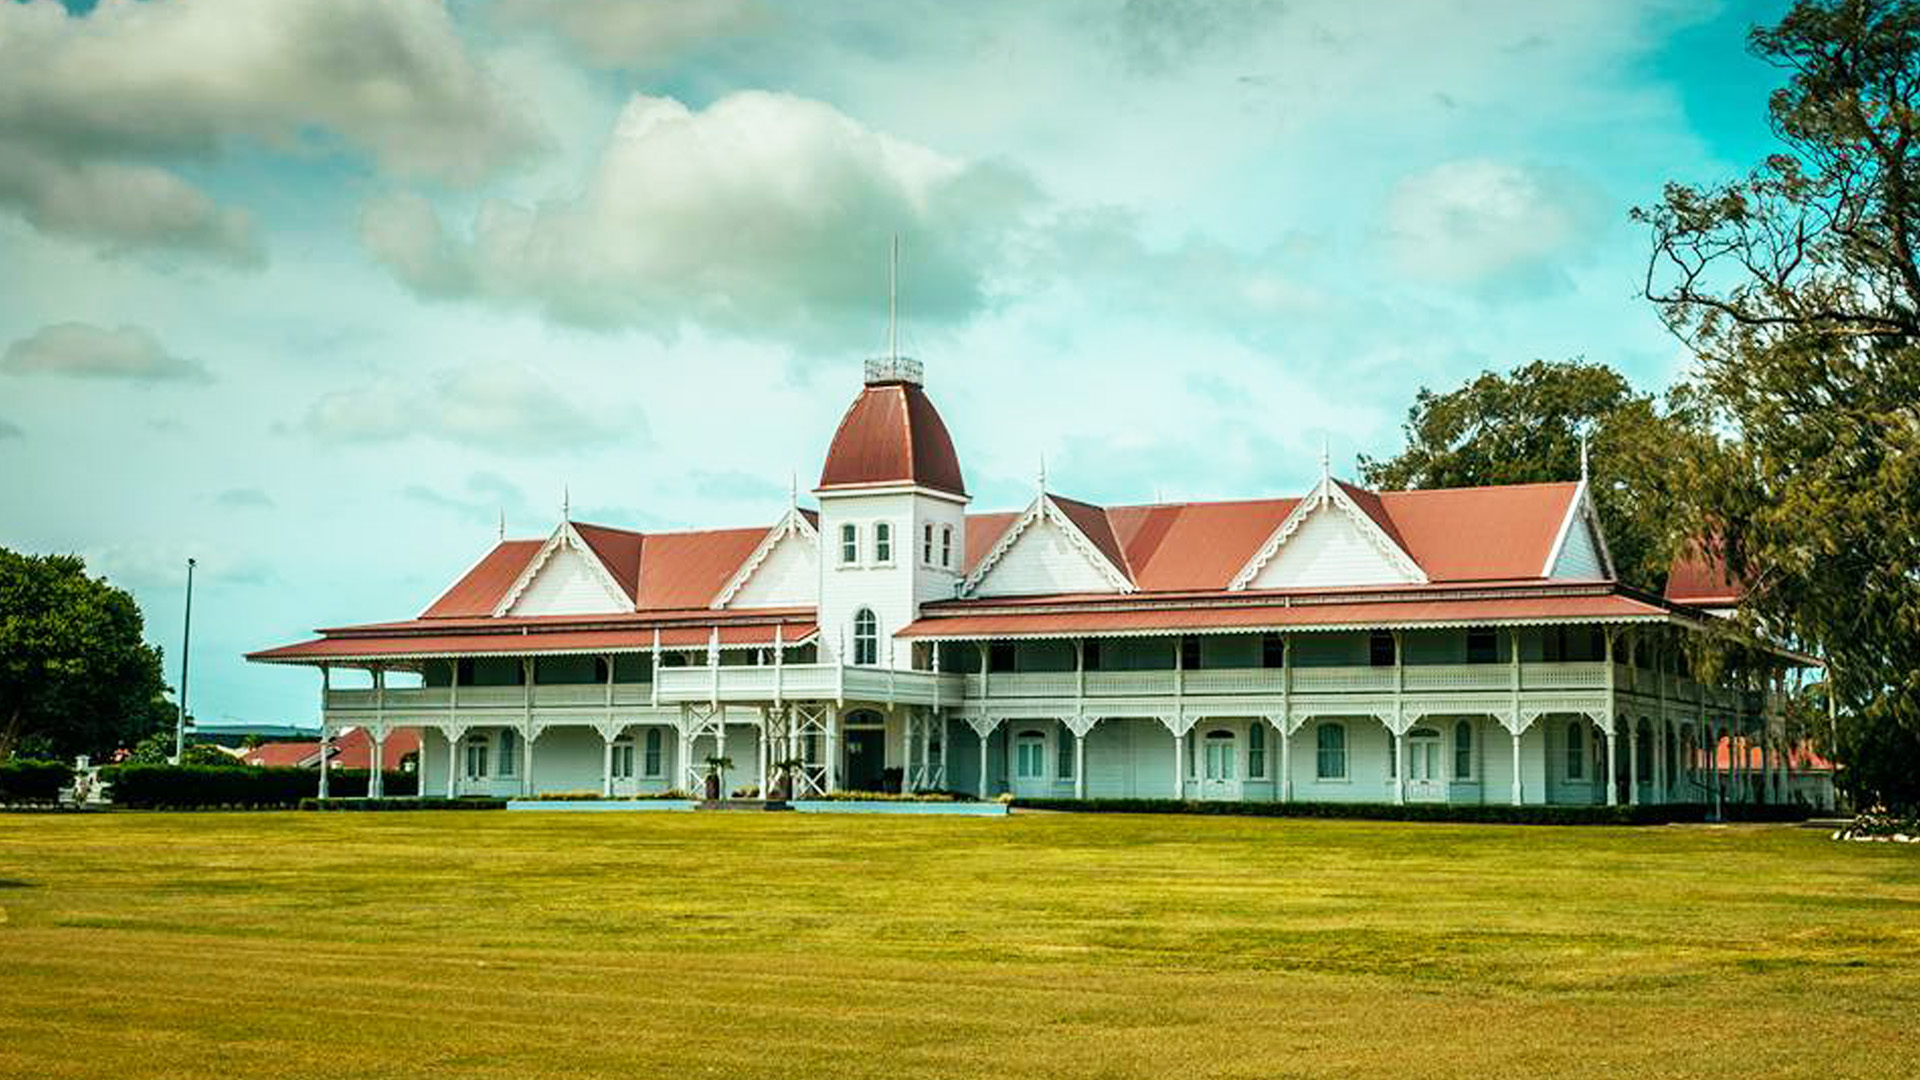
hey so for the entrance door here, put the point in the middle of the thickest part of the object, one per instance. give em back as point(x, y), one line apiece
point(866, 753)
point(1424, 780)
point(1220, 773)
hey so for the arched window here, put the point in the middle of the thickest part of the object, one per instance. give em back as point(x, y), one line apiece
point(1463, 750)
point(926, 543)
point(866, 638)
point(1030, 756)
point(1577, 750)
point(655, 744)
point(1257, 751)
point(1331, 759)
point(849, 544)
point(509, 752)
point(882, 542)
point(946, 547)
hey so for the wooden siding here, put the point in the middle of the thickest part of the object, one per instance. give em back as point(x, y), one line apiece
point(568, 585)
point(790, 576)
point(1328, 549)
point(1043, 561)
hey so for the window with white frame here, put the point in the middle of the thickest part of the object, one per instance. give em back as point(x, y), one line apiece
point(1030, 756)
point(477, 757)
point(653, 762)
point(866, 638)
point(1331, 751)
point(946, 547)
point(1257, 751)
point(849, 544)
point(882, 542)
point(926, 543)
point(1577, 750)
point(1463, 750)
point(623, 758)
point(509, 752)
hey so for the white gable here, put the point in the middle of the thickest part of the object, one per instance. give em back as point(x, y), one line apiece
point(1579, 557)
point(568, 584)
point(1329, 549)
point(1044, 559)
point(788, 577)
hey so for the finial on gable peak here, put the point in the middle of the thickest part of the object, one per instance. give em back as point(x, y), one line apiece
point(1043, 473)
point(793, 490)
point(566, 503)
point(1583, 457)
point(1326, 457)
point(503, 525)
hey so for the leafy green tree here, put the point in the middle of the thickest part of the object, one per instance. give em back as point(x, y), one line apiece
point(1798, 290)
point(1525, 426)
point(75, 675)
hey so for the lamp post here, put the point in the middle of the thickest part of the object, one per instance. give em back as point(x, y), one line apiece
point(186, 647)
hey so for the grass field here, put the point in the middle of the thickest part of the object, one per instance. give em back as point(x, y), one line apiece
point(553, 945)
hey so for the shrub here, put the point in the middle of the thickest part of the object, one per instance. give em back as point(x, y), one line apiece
point(466, 803)
point(1493, 814)
point(887, 796)
point(177, 787)
point(23, 780)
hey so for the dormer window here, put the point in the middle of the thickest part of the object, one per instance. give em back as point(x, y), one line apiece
point(882, 543)
point(849, 545)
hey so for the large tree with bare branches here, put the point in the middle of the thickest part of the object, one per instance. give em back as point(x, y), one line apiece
point(1798, 290)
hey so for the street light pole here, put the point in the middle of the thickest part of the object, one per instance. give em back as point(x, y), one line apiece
point(186, 647)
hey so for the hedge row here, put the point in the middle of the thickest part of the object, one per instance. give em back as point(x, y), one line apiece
point(175, 787)
point(403, 804)
point(24, 781)
point(1492, 814)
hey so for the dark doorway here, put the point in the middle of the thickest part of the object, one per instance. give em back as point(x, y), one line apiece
point(866, 742)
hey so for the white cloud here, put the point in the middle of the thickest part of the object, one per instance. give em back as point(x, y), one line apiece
point(77, 350)
point(97, 109)
point(1482, 222)
point(620, 33)
point(500, 407)
point(763, 214)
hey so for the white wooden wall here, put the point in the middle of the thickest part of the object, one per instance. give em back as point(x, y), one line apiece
point(568, 585)
point(789, 577)
point(1580, 556)
point(1328, 549)
point(1043, 561)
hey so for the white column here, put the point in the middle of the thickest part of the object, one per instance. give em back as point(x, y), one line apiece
point(1286, 761)
point(1613, 764)
point(1519, 792)
point(1633, 762)
point(945, 783)
point(1399, 750)
point(526, 760)
point(833, 751)
point(326, 687)
point(983, 766)
point(1179, 766)
point(1079, 766)
point(606, 765)
point(911, 724)
point(453, 759)
point(376, 776)
point(1660, 758)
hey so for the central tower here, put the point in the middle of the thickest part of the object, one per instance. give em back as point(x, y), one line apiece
point(892, 516)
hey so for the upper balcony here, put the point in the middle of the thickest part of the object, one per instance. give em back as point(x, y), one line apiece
point(1272, 682)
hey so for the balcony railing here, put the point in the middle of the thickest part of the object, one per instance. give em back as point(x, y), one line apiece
point(1207, 682)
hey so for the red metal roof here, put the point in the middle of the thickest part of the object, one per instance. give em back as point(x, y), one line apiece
point(1335, 612)
point(618, 550)
point(892, 434)
point(1700, 577)
point(352, 749)
point(526, 641)
point(480, 590)
point(688, 569)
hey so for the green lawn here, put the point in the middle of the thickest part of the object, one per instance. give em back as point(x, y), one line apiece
point(521, 945)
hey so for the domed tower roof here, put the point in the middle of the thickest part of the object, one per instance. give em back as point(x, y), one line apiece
point(892, 434)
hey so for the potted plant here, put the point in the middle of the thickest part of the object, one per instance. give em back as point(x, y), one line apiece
point(716, 769)
point(783, 786)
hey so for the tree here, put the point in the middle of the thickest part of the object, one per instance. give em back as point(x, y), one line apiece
point(75, 675)
point(1798, 290)
point(1525, 427)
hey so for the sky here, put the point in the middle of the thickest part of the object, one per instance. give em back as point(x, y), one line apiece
point(315, 291)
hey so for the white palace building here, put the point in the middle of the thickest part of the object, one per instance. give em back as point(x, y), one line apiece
point(1460, 646)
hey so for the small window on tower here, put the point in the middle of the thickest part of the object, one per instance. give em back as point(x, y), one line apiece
point(926, 544)
point(946, 547)
point(883, 543)
point(849, 544)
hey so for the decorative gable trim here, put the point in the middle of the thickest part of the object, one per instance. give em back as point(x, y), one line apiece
point(564, 535)
point(1328, 493)
point(1580, 511)
point(794, 524)
point(1045, 508)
